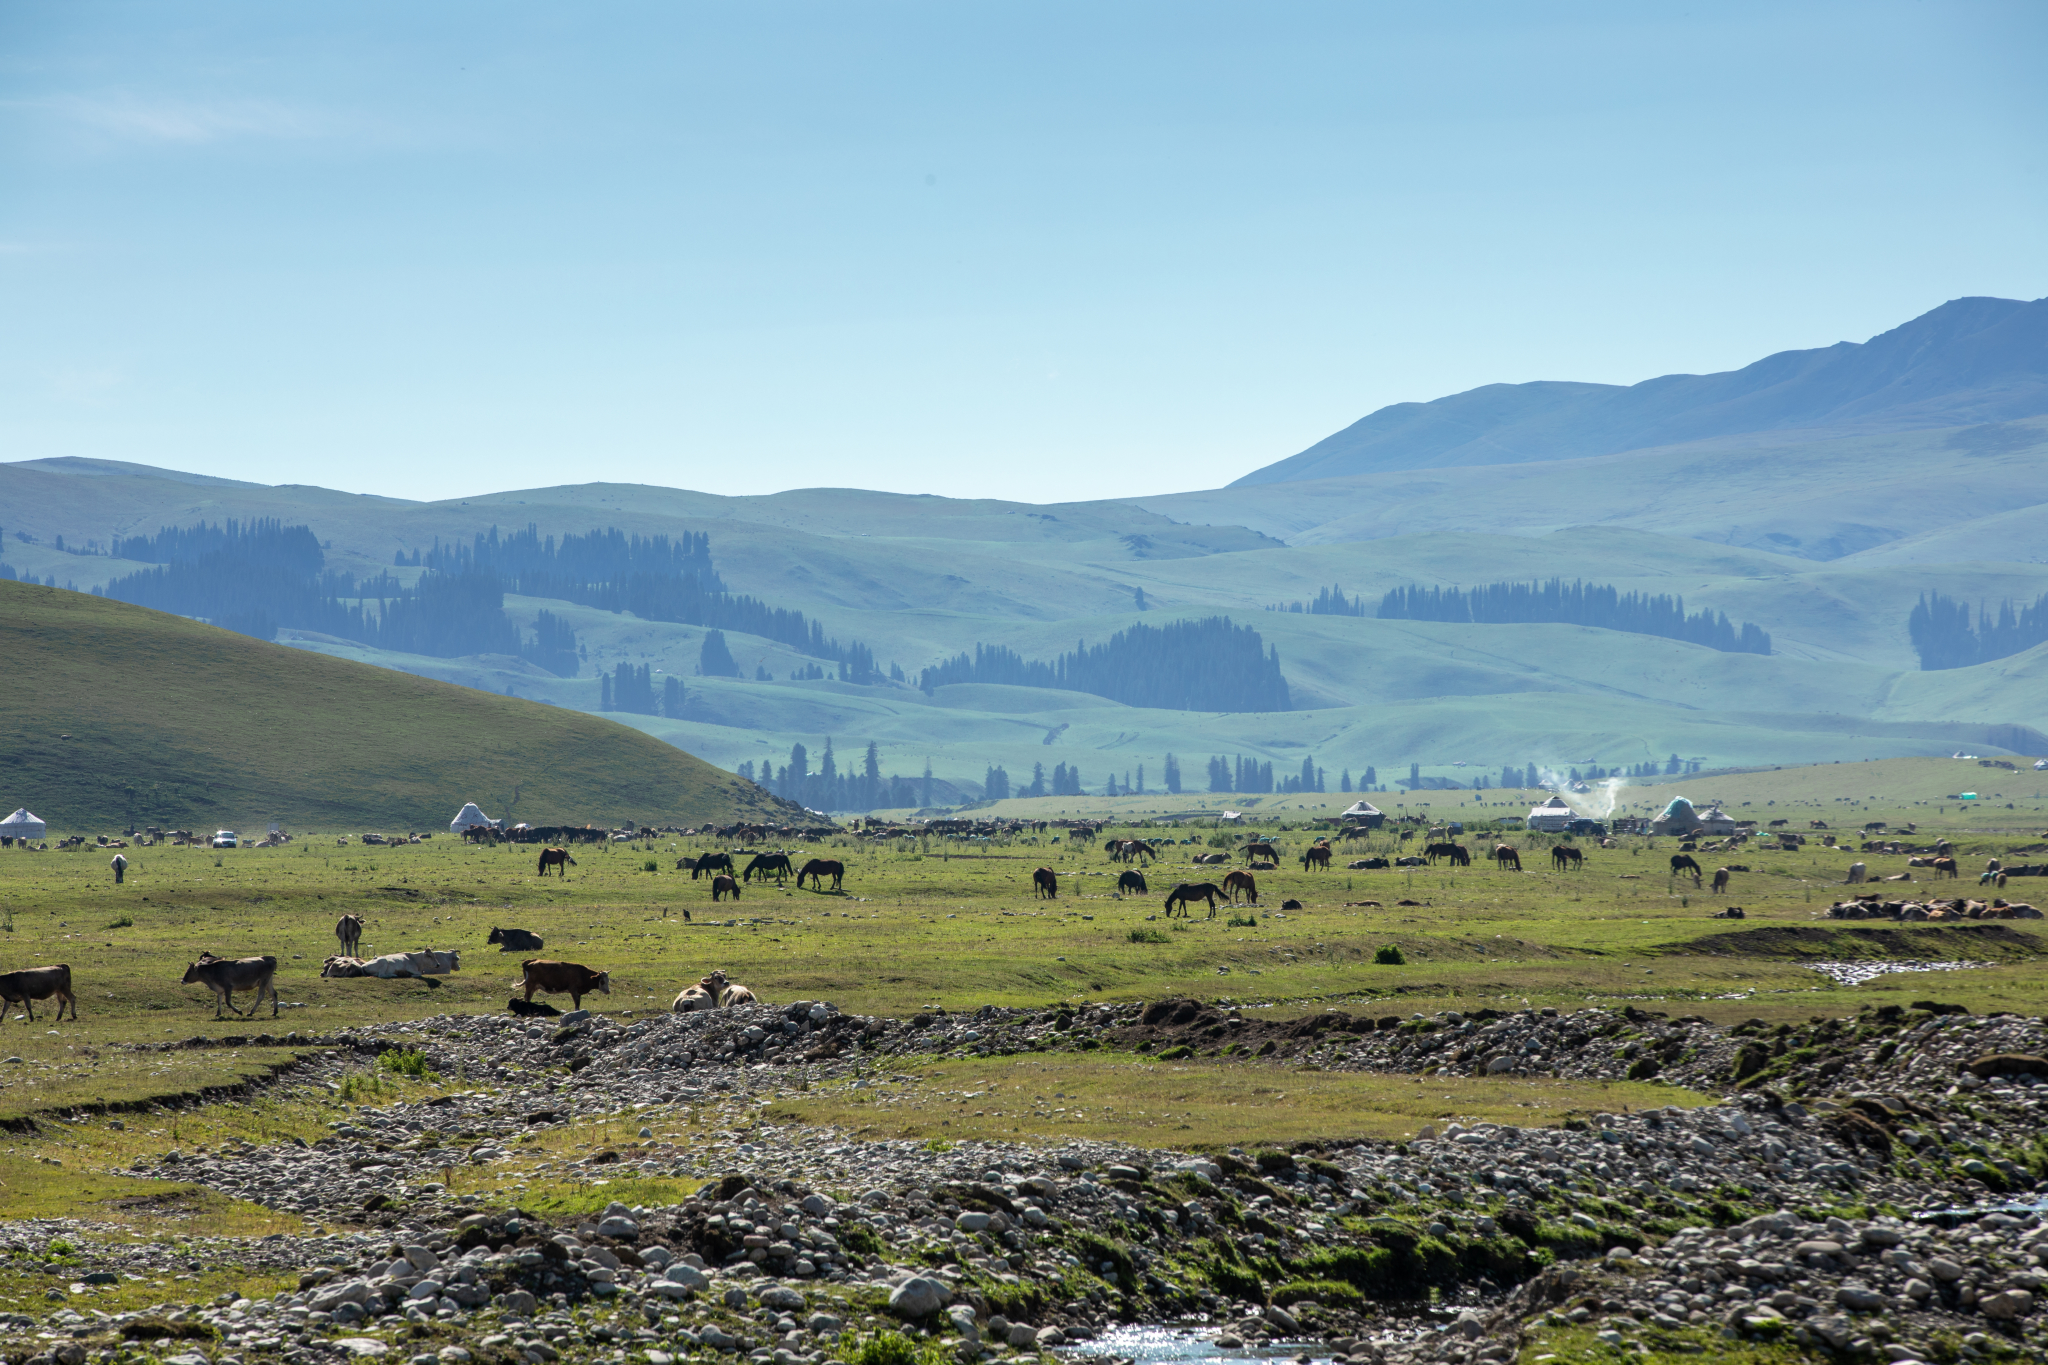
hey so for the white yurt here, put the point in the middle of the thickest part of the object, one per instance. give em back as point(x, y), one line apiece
point(469, 817)
point(1552, 816)
point(1365, 813)
point(24, 824)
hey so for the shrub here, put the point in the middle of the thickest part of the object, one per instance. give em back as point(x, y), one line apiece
point(650, 865)
point(404, 1062)
point(1242, 922)
point(883, 1348)
point(1147, 936)
point(1390, 956)
point(122, 923)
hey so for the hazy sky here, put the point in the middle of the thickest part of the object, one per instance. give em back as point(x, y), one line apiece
point(1038, 251)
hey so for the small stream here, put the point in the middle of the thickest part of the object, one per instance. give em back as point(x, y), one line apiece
point(1856, 973)
point(1188, 1346)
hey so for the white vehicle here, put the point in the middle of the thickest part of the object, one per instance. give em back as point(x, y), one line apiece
point(2041, 765)
point(226, 838)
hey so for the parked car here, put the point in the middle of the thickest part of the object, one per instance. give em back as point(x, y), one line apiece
point(226, 838)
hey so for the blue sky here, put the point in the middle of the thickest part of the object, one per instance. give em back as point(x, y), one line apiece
point(1041, 251)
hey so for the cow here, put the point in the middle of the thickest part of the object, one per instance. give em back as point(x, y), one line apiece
point(1412, 861)
point(424, 965)
point(120, 866)
point(1045, 885)
point(1720, 880)
point(1181, 896)
point(1505, 855)
point(1129, 850)
point(515, 940)
point(1367, 865)
point(531, 1009)
point(1563, 856)
point(694, 998)
point(31, 984)
point(224, 976)
point(767, 865)
point(722, 886)
point(557, 858)
point(1290, 905)
point(710, 862)
point(724, 992)
point(817, 869)
point(1209, 859)
point(1682, 863)
point(572, 979)
point(1317, 858)
point(1944, 867)
point(1241, 881)
point(1133, 882)
point(1255, 853)
point(348, 932)
point(1732, 912)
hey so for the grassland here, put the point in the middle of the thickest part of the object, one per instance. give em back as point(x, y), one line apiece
point(115, 717)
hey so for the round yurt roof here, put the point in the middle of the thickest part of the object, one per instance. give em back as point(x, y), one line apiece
point(1678, 808)
point(24, 824)
point(469, 817)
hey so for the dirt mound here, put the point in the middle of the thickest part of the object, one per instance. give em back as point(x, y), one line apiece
point(1815, 942)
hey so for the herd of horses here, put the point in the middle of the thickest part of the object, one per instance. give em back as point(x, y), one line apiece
point(726, 876)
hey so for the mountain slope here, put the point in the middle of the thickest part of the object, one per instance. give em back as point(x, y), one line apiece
point(114, 713)
point(1972, 360)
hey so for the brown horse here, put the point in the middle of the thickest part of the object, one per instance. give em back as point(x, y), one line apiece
point(1045, 884)
point(1944, 867)
point(1316, 859)
point(1256, 853)
point(817, 869)
point(723, 884)
point(1505, 855)
point(1564, 856)
point(1188, 892)
point(1720, 880)
point(1241, 881)
point(556, 858)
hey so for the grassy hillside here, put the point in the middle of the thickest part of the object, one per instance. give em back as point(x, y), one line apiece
point(113, 714)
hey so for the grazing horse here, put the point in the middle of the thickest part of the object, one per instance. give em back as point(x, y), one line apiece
point(817, 869)
point(1720, 880)
point(1316, 859)
point(1258, 852)
point(1188, 892)
point(1133, 882)
point(1506, 854)
point(1131, 850)
point(768, 864)
point(723, 885)
point(556, 858)
point(348, 930)
point(1562, 854)
point(1045, 884)
point(710, 862)
point(1241, 881)
point(1682, 862)
point(1431, 852)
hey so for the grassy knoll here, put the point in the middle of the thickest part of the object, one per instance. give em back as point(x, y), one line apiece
point(114, 715)
point(1191, 1104)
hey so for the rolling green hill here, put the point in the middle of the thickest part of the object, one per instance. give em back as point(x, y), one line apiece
point(113, 714)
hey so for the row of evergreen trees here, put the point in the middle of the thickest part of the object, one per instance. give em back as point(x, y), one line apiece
point(631, 688)
point(1944, 636)
point(1249, 775)
point(1206, 665)
point(828, 788)
point(1576, 603)
point(656, 578)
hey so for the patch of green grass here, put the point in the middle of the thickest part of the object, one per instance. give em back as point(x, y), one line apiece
point(405, 1062)
point(1390, 955)
point(1144, 935)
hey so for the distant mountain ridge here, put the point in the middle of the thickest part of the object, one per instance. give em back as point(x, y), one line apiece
point(1972, 360)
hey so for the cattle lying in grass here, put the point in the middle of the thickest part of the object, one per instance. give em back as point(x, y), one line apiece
point(1212, 858)
point(1732, 912)
point(531, 1009)
point(572, 979)
point(694, 998)
point(424, 965)
point(224, 976)
point(515, 940)
point(1366, 864)
point(1410, 861)
point(31, 984)
point(723, 991)
point(348, 932)
point(1257, 853)
point(1290, 905)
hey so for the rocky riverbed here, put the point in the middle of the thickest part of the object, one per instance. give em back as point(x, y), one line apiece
point(1863, 1189)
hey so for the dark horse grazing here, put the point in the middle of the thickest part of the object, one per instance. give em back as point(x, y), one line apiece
point(1504, 854)
point(1561, 855)
point(767, 865)
point(556, 858)
point(1188, 892)
point(1241, 881)
point(1255, 853)
point(1045, 884)
point(723, 884)
point(1134, 882)
point(1682, 862)
point(817, 869)
point(710, 862)
point(1317, 858)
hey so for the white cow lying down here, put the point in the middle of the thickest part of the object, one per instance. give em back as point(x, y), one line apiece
point(390, 966)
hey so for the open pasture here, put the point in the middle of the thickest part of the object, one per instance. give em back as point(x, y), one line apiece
point(934, 922)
